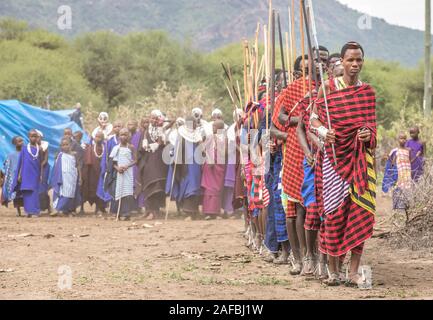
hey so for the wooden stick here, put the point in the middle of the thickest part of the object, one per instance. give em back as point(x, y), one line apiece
point(269, 33)
point(289, 59)
point(280, 37)
point(120, 201)
point(231, 96)
point(311, 64)
point(301, 26)
point(260, 72)
point(272, 84)
point(239, 90)
point(246, 94)
point(256, 69)
point(266, 57)
point(316, 42)
point(173, 176)
point(293, 31)
point(230, 79)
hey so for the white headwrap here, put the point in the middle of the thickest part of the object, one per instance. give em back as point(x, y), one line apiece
point(156, 113)
point(197, 112)
point(39, 133)
point(217, 112)
point(44, 144)
point(103, 115)
point(108, 127)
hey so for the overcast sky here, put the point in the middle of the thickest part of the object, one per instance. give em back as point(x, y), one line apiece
point(407, 13)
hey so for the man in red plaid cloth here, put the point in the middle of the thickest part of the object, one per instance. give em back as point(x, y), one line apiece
point(310, 144)
point(279, 133)
point(292, 177)
point(347, 179)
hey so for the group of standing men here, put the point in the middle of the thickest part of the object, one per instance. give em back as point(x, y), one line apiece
point(321, 180)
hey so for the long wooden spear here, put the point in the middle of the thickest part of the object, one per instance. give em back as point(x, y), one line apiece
point(272, 81)
point(316, 42)
point(311, 60)
point(230, 79)
point(289, 59)
point(256, 65)
point(267, 72)
point(283, 64)
point(301, 26)
point(293, 31)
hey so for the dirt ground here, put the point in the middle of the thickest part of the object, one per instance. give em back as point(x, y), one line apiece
point(178, 259)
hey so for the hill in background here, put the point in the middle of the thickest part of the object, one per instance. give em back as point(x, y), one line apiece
point(210, 24)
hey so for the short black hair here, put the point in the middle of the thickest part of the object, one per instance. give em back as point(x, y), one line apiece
point(351, 45)
point(321, 48)
point(65, 139)
point(335, 55)
point(14, 140)
point(297, 66)
point(332, 56)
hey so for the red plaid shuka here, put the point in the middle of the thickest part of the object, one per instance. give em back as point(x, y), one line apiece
point(277, 110)
point(350, 109)
point(258, 194)
point(293, 170)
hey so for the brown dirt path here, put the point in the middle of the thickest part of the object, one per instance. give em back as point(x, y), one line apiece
point(178, 260)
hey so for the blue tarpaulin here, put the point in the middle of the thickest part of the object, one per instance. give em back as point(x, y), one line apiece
point(17, 118)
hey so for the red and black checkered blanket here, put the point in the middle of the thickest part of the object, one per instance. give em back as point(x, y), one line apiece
point(293, 170)
point(350, 109)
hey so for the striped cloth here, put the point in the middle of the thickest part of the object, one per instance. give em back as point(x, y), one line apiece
point(335, 189)
point(279, 213)
point(124, 181)
point(404, 168)
point(69, 176)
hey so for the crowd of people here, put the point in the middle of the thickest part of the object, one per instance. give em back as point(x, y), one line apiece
point(303, 173)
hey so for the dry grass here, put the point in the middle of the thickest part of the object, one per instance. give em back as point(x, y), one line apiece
point(414, 228)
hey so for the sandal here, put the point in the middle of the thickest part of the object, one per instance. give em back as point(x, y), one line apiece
point(308, 267)
point(281, 260)
point(356, 280)
point(333, 280)
point(296, 268)
point(269, 257)
point(322, 271)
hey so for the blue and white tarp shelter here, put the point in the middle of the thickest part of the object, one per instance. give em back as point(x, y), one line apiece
point(17, 118)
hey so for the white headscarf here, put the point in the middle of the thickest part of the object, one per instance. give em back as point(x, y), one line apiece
point(217, 112)
point(197, 112)
point(157, 113)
